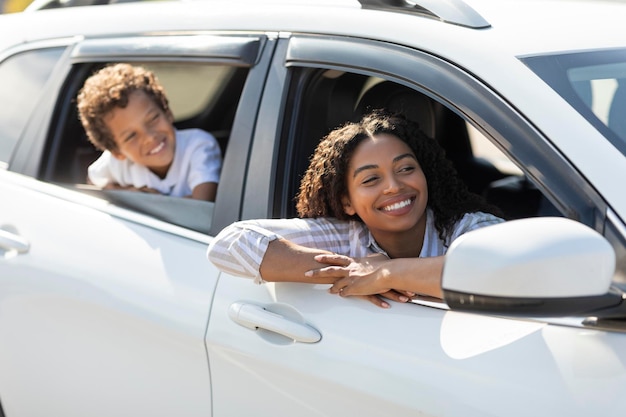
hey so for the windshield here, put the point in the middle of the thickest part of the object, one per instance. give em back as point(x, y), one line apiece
point(594, 83)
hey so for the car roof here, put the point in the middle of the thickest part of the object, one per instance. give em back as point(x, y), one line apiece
point(521, 26)
point(515, 28)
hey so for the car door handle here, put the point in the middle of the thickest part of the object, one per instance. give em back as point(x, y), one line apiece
point(256, 317)
point(12, 242)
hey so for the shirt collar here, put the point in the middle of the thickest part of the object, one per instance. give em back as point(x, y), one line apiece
point(374, 247)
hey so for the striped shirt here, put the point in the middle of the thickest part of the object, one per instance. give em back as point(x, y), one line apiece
point(239, 248)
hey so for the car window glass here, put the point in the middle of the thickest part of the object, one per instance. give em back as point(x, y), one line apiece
point(22, 78)
point(483, 148)
point(594, 83)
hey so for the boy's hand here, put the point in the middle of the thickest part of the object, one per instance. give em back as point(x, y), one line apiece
point(131, 188)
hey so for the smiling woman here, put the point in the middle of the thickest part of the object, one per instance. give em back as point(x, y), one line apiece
point(379, 205)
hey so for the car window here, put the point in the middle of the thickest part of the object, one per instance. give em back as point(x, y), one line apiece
point(484, 149)
point(201, 95)
point(188, 97)
point(26, 73)
point(594, 83)
point(346, 96)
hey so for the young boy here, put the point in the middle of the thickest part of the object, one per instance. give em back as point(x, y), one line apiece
point(125, 113)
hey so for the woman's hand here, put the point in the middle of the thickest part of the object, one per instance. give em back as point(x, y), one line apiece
point(363, 277)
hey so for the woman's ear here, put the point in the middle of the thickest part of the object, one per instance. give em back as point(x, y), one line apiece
point(347, 207)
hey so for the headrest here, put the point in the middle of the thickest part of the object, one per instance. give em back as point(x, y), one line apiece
point(398, 98)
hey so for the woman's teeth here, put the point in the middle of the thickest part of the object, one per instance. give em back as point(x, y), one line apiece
point(398, 205)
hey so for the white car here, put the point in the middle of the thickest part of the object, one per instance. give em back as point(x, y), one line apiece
point(110, 307)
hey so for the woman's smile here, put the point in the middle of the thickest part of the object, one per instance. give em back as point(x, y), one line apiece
point(400, 207)
point(386, 187)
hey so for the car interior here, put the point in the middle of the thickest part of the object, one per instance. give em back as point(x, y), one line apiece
point(328, 99)
point(347, 96)
point(213, 109)
point(210, 105)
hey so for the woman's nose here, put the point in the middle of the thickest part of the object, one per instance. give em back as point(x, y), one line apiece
point(392, 185)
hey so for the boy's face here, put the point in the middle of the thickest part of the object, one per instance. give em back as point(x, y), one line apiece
point(143, 133)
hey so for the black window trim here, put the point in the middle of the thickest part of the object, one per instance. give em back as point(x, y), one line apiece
point(254, 53)
point(470, 99)
point(226, 49)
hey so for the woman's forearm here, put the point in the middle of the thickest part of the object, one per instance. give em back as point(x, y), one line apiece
point(285, 261)
point(417, 275)
point(241, 248)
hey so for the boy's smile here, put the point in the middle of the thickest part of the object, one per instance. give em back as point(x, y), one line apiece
point(143, 133)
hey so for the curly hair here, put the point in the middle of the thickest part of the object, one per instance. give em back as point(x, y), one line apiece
point(109, 88)
point(325, 183)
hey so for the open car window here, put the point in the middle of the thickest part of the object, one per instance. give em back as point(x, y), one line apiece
point(346, 96)
point(201, 95)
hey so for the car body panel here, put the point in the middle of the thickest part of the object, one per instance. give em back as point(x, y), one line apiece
point(105, 310)
point(132, 328)
point(428, 352)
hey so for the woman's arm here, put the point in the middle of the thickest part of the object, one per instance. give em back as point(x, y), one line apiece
point(381, 275)
point(284, 250)
point(285, 261)
point(284, 246)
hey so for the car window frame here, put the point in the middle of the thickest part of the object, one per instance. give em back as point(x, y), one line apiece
point(237, 53)
point(457, 89)
point(26, 157)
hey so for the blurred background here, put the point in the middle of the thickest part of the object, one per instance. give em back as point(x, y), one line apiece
point(13, 6)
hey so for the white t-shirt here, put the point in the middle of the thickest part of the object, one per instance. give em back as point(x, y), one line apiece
point(197, 159)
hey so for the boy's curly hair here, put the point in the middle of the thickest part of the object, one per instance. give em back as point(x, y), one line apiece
point(109, 88)
point(324, 183)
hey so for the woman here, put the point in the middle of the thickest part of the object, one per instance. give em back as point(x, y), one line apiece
point(379, 205)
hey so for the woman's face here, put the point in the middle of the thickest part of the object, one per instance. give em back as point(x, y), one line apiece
point(386, 186)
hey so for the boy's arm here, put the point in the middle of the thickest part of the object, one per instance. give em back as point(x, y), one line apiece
point(205, 191)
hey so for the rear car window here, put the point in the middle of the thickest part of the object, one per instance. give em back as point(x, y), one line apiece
point(22, 78)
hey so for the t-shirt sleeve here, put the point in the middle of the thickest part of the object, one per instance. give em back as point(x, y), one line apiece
point(99, 172)
point(206, 160)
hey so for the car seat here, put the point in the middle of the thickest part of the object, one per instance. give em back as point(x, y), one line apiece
point(398, 98)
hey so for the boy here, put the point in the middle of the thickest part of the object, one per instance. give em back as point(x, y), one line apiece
point(125, 113)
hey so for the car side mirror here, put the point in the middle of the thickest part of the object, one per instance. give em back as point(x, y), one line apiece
point(546, 266)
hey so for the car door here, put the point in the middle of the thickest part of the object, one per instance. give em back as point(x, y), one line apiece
point(104, 305)
point(295, 349)
point(101, 315)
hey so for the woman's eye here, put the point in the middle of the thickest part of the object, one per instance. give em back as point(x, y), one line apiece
point(407, 169)
point(369, 180)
